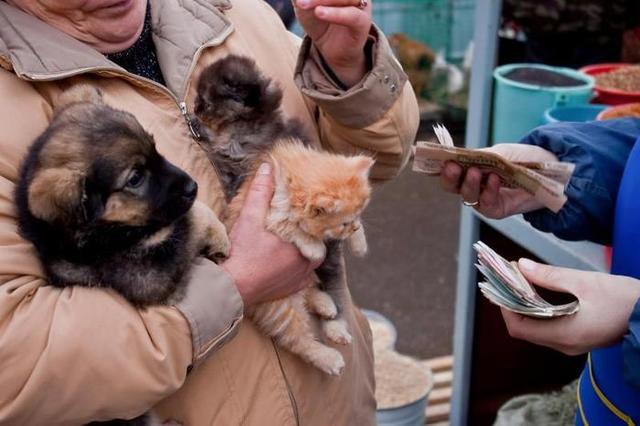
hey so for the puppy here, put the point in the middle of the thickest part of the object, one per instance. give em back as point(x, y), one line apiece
point(104, 209)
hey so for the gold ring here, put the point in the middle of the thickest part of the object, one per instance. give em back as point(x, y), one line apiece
point(468, 204)
point(363, 4)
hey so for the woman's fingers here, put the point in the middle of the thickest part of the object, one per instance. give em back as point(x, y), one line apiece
point(553, 333)
point(470, 189)
point(490, 195)
point(350, 17)
point(552, 277)
point(308, 4)
point(450, 177)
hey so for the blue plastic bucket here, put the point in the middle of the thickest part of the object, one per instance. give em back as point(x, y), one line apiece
point(575, 113)
point(518, 107)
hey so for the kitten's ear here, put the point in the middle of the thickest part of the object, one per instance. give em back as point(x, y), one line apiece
point(322, 204)
point(54, 194)
point(363, 165)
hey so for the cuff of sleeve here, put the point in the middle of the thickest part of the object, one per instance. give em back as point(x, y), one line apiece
point(212, 306)
point(366, 102)
point(631, 349)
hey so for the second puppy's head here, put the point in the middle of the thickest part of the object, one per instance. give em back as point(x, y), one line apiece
point(96, 165)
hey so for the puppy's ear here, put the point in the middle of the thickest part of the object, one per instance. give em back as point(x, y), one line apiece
point(55, 194)
point(79, 93)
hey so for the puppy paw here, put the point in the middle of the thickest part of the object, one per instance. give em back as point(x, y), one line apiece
point(220, 247)
point(322, 304)
point(337, 332)
point(329, 360)
point(219, 243)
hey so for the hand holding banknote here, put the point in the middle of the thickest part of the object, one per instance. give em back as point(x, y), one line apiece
point(495, 200)
point(606, 302)
point(499, 181)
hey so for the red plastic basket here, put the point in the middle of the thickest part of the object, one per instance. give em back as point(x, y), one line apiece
point(606, 95)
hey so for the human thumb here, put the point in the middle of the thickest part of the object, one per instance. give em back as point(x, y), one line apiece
point(551, 277)
point(258, 199)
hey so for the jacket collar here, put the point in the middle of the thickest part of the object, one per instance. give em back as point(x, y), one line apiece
point(37, 51)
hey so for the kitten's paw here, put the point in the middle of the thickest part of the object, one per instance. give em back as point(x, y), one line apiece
point(337, 332)
point(314, 251)
point(358, 243)
point(322, 304)
point(329, 360)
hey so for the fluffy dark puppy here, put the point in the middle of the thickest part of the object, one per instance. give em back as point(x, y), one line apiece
point(240, 110)
point(104, 209)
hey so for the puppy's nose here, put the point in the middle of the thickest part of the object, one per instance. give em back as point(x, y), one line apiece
point(190, 189)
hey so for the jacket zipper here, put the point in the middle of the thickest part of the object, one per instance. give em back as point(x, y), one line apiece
point(292, 398)
point(182, 105)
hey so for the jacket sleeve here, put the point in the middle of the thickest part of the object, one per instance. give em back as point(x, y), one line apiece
point(599, 150)
point(75, 354)
point(379, 115)
point(631, 349)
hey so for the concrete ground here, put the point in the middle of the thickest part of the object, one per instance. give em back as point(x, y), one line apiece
point(409, 273)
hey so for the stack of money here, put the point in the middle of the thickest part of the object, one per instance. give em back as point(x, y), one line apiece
point(507, 287)
point(546, 181)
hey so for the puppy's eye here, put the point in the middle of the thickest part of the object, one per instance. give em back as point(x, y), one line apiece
point(136, 178)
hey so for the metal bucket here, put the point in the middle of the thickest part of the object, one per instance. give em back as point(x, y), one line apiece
point(374, 316)
point(412, 414)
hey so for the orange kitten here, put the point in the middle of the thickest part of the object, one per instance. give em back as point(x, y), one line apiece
point(318, 200)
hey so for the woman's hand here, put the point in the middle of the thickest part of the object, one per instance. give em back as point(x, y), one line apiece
point(262, 265)
point(339, 30)
point(606, 302)
point(494, 200)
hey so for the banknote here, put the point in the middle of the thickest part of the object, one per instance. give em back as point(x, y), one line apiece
point(545, 181)
point(506, 286)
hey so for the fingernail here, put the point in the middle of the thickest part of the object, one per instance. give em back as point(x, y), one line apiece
point(321, 12)
point(264, 169)
point(304, 3)
point(527, 265)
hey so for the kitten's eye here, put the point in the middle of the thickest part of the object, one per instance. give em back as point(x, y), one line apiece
point(317, 211)
point(136, 178)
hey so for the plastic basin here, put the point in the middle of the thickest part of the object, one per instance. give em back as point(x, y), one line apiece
point(610, 96)
point(618, 111)
point(519, 107)
point(575, 113)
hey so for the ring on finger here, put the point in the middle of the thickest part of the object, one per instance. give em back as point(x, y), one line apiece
point(470, 204)
point(363, 4)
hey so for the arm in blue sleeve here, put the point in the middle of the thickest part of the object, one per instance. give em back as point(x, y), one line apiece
point(599, 150)
point(631, 348)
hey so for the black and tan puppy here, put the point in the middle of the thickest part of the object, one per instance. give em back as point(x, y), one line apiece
point(104, 209)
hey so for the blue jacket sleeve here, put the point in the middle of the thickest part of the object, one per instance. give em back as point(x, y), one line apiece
point(631, 349)
point(599, 150)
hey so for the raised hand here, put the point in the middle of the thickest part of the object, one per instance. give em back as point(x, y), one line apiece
point(339, 30)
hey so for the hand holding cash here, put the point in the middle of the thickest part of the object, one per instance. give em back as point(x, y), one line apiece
point(544, 181)
point(507, 287)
